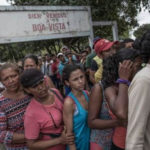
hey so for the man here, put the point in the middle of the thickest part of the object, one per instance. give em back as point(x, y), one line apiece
point(88, 49)
point(91, 55)
point(88, 61)
point(62, 63)
point(138, 130)
point(43, 66)
point(65, 50)
point(103, 49)
point(84, 54)
point(54, 68)
point(128, 42)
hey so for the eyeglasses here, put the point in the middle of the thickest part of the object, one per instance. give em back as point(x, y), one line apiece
point(37, 83)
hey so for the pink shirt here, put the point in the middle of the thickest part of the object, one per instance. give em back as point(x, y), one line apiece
point(38, 120)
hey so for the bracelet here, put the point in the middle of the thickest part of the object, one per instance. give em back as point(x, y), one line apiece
point(123, 81)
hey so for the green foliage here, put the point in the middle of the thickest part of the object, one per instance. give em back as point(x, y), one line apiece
point(17, 51)
point(123, 11)
point(142, 29)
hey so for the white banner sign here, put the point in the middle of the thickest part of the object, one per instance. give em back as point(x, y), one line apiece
point(27, 24)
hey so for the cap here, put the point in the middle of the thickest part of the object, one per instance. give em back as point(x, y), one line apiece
point(59, 54)
point(31, 77)
point(103, 45)
point(64, 47)
point(95, 40)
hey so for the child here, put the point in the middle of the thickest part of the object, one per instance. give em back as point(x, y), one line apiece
point(75, 107)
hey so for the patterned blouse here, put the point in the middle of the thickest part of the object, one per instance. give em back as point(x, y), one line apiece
point(11, 120)
point(103, 137)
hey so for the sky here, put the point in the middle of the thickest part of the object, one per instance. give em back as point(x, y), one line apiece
point(143, 17)
point(3, 2)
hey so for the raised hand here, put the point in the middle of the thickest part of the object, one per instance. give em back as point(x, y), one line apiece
point(125, 69)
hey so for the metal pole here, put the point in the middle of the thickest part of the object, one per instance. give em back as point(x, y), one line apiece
point(115, 31)
point(91, 37)
point(107, 23)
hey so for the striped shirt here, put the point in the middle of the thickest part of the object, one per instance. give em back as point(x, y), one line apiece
point(11, 120)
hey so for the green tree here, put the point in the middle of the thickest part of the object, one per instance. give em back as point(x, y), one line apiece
point(140, 30)
point(123, 11)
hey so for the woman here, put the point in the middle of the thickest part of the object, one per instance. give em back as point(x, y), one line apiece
point(13, 103)
point(43, 118)
point(116, 84)
point(76, 107)
point(99, 117)
point(31, 61)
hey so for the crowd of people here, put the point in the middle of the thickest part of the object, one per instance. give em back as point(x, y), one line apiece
point(92, 100)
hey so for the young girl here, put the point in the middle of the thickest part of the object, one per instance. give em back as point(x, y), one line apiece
point(76, 107)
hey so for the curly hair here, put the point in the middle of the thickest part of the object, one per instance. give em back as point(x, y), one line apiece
point(111, 65)
point(137, 44)
point(110, 71)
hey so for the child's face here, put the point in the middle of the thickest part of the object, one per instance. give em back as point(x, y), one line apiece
point(77, 80)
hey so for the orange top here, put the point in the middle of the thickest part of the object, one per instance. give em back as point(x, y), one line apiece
point(119, 135)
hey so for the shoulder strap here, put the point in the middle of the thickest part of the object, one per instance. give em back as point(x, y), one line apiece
point(71, 95)
point(101, 85)
point(58, 96)
point(86, 95)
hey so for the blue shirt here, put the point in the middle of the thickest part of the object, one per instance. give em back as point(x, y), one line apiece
point(80, 126)
point(60, 68)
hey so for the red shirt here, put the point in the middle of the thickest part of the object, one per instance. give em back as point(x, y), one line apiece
point(55, 68)
point(38, 120)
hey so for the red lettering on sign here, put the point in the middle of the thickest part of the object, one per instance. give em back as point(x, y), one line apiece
point(34, 16)
point(56, 15)
point(38, 27)
point(57, 26)
point(51, 27)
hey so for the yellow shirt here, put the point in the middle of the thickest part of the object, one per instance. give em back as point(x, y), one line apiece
point(98, 74)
